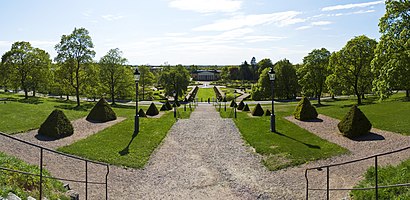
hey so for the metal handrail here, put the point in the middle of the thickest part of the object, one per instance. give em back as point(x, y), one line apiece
point(86, 182)
point(376, 187)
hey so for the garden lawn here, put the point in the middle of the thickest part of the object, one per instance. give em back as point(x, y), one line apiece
point(20, 115)
point(290, 146)
point(117, 145)
point(205, 93)
point(390, 115)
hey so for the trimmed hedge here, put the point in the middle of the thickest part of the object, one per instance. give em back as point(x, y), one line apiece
point(233, 104)
point(304, 110)
point(268, 113)
point(168, 105)
point(241, 105)
point(354, 123)
point(246, 108)
point(101, 112)
point(141, 113)
point(56, 125)
point(163, 108)
point(257, 110)
point(152, 110)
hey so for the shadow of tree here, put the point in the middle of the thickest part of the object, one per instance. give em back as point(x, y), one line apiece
point(31, 100)
point(83, 107)
point(304, 143)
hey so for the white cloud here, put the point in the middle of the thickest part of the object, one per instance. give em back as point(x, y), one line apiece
point(207, 6)
point(350, 6)
point(320, 23)
point(303, 27)
point(239, 21)
point(111, 17)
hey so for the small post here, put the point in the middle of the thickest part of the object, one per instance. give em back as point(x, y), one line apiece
point(41, 173)
point(86, 179)
point(327, 183)
point(376, 177)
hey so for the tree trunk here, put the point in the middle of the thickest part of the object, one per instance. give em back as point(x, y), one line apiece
point(112, 96)
point(34, 92)
point(363, 97)
point(333, 96)
point(359, 100)
point(25, 93)
point(68, 97)
point(408, 94)
point(77, 87)
point(318, 100)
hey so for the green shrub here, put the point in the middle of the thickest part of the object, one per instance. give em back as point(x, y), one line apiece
point(268, 113)
point(168, 105)
point(141, 113)
point(101, 112)
point(246, 108)
point(152, 110)
point(354, 123)
point(233, 104)
point(304, 110)
point(257, 110)
point(177, 103)
point(163, 108)
point(56, 125)
point(241, 105)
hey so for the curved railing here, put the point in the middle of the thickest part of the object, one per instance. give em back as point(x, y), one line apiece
point(42, 149)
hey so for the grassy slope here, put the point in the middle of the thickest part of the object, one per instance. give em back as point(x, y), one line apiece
point(390, 115)
point(205, 93)
point(292, 145)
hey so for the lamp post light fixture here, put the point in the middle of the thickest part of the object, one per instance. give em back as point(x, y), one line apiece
point(271, 74)
point(175, 104)
point(136, 121)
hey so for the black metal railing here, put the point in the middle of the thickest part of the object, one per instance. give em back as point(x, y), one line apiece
point(376, 187)
point(42, 149)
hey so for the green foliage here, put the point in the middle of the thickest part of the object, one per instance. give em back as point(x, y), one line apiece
point(286, 82)
point(304, 110)
point(354, 124)
point(263, 89)
point(241, 105)
point(268, 113)
point(147, 79)
point(245, 71)
point(141, 113)
point(257, 110)
point(174, 78)
point(265, 63)
point(351, 65)
point(388, 175)
point(56, 125)
point(101, 112)
point(23, 185)
point(152, 110)
point(246, 108)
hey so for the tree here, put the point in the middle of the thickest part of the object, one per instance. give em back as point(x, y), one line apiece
point(351, 65)
point(175, 79)
point(41, 75)
point(111, 71)
point(147, 79)
point(391, 64)
point(245, 71)
point(254, 69)
point(286, 83)
point(92, 86)
point(312, 74)
point(263, 64)
point(263, 89)
point(75, 50)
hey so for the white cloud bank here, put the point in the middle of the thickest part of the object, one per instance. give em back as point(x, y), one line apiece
point(350, 6)
point(207, 6)
point(111, 17)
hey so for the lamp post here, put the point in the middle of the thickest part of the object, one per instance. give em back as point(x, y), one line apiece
point(175, 104)
point(136, 121)
point(272, 115)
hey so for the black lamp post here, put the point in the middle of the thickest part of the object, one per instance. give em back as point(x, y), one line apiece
point(272, 115)
point(234, 105)
point(137, 122)
point(175, 104)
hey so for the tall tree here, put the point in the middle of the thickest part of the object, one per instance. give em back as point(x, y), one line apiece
point(286, 83)
point(312, 74)
point(351, 65)
point(254, 69)
point(92, 85)
point(176, 79)
point(245, 71)
point(111, 72)
point(41, 75)
point(147, 79)
point(75, 50)
point(263, 89)
point(391, 64)
point(263, 64)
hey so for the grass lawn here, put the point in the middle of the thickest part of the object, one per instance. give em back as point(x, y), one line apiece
point(205, 93)
point(388, 175)
point(20, 115)
point(290, 146)
point(391, 114)
point(118, 146)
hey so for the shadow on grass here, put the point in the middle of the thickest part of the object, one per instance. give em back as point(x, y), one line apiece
point(369, 137)
point(320, 105)
point(31, 100)
point(122, 106)
point(126, 150)
point(304, 143)
point(78, 108)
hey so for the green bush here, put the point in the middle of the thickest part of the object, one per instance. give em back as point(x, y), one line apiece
point(141, 113)
point(268, 113)
point(304, 110)
point(163, 108)
point(152, 110)
point(168, 105)
point(257, 110)
point(241, 105)
point(354, 123)
point(245, 108)
point(233, 104)
point(101, 112)
point(56, 125)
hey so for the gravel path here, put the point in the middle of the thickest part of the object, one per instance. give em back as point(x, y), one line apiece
point(204, 157)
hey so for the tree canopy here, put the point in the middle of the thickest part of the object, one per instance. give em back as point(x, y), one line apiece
point(175, 79)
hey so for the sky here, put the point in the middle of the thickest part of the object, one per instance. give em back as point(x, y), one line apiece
point(200, 32)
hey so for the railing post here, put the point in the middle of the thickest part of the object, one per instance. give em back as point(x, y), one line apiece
point(327, 182)
point(86, 179)
point(41, 173)
point(375, 171)
point(106, 183)
point(307, 184)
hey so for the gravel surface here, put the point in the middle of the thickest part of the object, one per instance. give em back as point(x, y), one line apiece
point(204, 157)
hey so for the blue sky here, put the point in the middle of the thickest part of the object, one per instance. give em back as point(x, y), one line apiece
point(188, 32)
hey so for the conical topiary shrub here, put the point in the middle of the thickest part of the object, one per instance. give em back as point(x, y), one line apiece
point(163, 108)
point(101, 112)
point(304, 110)
point(168, 105)
point(152, 110)
point(141, 113)
point(246, 108)
point(258, 110)
point(241, 105)
point(267, 113)
point(232, 103)
point(177, 103)
point(354, 123)
point(56, 125)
